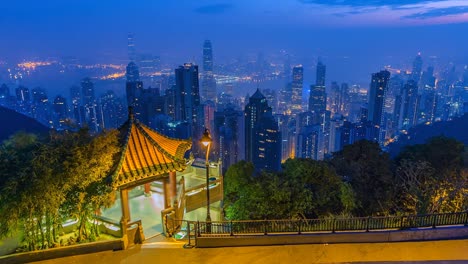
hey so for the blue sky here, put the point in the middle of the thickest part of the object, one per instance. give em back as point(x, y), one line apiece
point(98, 28)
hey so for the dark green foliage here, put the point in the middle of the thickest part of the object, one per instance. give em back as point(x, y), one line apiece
point(444, 154)
point(306, 188)
point(368, 170)
point(432, 177)
point(360, 180)
point(44, 183)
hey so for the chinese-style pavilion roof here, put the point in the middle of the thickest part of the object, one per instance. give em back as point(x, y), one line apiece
point(147, 155)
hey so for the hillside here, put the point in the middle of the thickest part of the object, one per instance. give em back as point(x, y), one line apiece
point(12, 122)
point(456, 128)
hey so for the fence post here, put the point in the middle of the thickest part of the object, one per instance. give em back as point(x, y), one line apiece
point(265, 226)
point(232, 232)
point(189, 245)
point(300, 224)
point(333, 225)
point(188, 231)
point(198, 228)
point(368, 223)
point(434, 220)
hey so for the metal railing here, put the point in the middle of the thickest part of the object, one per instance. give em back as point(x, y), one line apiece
point(265, 227)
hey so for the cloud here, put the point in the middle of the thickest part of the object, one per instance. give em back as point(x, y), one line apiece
point(368, 3)
point(440, 12)
point(357, 11)
point(213, 9)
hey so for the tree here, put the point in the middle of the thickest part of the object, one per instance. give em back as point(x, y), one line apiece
point(432, 177)
point(368, 170)
point(41, 184)
point(444, 154)
point(304, 189)
point(415, 182)
point(314, 188)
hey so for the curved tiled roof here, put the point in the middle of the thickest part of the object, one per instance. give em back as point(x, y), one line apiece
point(146, 155)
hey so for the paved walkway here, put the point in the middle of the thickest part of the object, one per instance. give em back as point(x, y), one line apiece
point(169, 251)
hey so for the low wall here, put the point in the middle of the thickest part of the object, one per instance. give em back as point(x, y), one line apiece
point(443, 233)
point(62, 252)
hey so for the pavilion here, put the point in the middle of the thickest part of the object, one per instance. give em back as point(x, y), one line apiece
point(146, 156)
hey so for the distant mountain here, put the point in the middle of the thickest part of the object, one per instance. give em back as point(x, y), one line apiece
point(12, 122)
point(456, 128)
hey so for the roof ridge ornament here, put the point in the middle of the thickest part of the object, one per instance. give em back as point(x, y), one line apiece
point(131, 115)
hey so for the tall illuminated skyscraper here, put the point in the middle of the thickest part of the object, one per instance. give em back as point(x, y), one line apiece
point(318, 97)
point(417, 68)
point(187, 100)
point(297, 83)
point(134, 90)
point(89, 103)
point(410, 104)
point(60, 111)
point(209, 82)
point(378, 87)
point(131, 47)
point(262, 135)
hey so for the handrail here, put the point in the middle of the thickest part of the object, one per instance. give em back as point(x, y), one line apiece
point(201, 186)
point(106, 220)
point(300, 226)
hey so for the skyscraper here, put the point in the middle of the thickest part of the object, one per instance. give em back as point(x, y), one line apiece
point(77, 108)
point(187, 100)
point(417, 68)
point(410, 105)
point(207, 56)
point(112, 110)
point(89, 103)
point(134, 91)
point(262, 135)
point(60, 111)
point(297, 83)
point(187, 93)
point(229, 136)
point(308, 142)
point(131, 47)
point(377, 92)
point(318, 96)
point(40, 108)
point(4, 95)
point(209, 82)
point(321, 70)
point(22, 94)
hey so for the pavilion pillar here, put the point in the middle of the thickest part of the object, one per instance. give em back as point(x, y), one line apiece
point(148, 189)
point(124, 205)
point(173, 187)
point(125, 216)
point(166, 194)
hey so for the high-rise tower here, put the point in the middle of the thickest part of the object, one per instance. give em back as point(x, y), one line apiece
point(318, 97)
point(417, 68)
point(134, 90)
point(187, 99)
point(377, 92)
point(262, 135)
point(89, 103)
point(297, 83)
point(131, 47)
point(209, 82)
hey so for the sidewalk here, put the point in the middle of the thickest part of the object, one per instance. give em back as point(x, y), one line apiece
point(447, 251)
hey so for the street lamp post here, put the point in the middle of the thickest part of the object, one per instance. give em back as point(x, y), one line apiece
point(206, 141)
